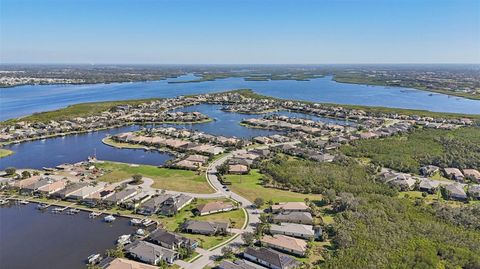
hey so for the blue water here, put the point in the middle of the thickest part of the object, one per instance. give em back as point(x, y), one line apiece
point(74, 148)
point(25, 100)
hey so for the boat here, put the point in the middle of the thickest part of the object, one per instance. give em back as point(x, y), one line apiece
point(94, 258)
point(124, 239)
point(109, 218)
point(140, 232)
point(42, 206)
point(72, 211)
point(24, 202)
point(93, 215)
point(135, 222)
point(147, 222)
point(3, 202)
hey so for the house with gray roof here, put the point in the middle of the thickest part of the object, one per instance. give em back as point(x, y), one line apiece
point(455, 191)
point(296, 230)
point(175, 203)
point(171, 240)
point(238, 264)
point(294, 217)
point(428, 185)
point(270, 258)
point(69, 189)
point(121, 196)
point(151, 253)
point(474, 191)
point(153, 205)
point(205, 227)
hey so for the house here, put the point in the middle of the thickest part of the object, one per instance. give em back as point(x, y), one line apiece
point(455, 191)
point(403, 181)
point(121, 263)
point(270, 258)
point(294, 217)
point(52, 187)
point(121, 196)
point(197, 158)
point(174, 204)
point(453, 173)
point(153, 205)
point(69, 189)
point(150, 253)
point(472, 174)
point(474, 191)
point(205, 227)
point(188, 165)
point(296, 230)
point(238, 169)
point(214, 207)
point(290, 206)
point(170, 240)
point(285, 243)
point(238, 264)
point(25, 182)
point(429, 170)
point(30, 189)
point(84, 192)
point(427, 185)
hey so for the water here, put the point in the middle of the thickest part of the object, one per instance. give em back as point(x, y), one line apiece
point(32, 239)
point(25, 100)
point(74, 148)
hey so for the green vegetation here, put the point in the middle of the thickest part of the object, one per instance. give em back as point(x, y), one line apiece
point(407, 153)
point(115, 144)
point(5, 153)
point(250, 186)
point(163, 178)
point(78, 110)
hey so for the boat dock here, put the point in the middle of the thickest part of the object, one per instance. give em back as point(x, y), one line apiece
point(59, 209)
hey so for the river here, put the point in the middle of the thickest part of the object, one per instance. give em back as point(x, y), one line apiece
point(25, 100)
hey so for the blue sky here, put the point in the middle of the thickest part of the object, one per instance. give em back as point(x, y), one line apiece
point(232, 31)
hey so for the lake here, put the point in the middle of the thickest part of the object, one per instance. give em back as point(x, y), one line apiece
point(25, 100)
point(30, 238)
point(74, 148)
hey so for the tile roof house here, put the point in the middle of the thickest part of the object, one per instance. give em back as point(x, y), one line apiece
point(25, 182)
point(151, 253)
point(205, 227)
point(171, 240)
point(427, 185)
point(270, 258)
point(455, 191)
point(238, 169)
point(403, 181)
point(294, 217)
point(296, 230)
point(472, 174)
point(121, 263)
point(69, 189)
point(214, 207)
point(52, 187)
point(453, 173)
point(285, 243)
point(290, 206)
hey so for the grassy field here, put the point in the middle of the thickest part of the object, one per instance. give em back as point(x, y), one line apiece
point(164, 178)
point(5, 153)
point(249, 186)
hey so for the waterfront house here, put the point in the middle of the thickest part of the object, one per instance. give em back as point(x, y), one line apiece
point(187, 165)
point(32, 188)
point(472, 174)
point(270, 258)
point(285, 243)
point(214, 207)
point(197, 158)
point(25, 182)
point(150, 253)
point(69, 189)
point(290, 206)
point(205, 227)
point(121, 196)
point(171, 240)
point(294, 217)
point(85, 191)
point(121, 263)
point(455, 191)
point(296, 230)
point(153, 205)
point(453, 173)
point(53, 187)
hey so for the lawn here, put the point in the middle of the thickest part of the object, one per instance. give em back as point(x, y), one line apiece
point(5, 153)
point(249, 186)
point(164, 178)
point(235, 217)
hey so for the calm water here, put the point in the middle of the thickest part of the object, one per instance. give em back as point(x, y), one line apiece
point(25, 100)
point(75, 148)
point(32, 239)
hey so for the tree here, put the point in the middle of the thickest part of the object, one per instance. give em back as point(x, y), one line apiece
point(330, 196)
point(137, 178)
point(248, 238)
point(227, 252)
point(259, 202)
point(222, 169)
point(115, 252)
point(346, 201)
point(26, 174)
point(10, 170)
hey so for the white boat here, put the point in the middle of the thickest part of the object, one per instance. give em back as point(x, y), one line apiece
point(124, 239)
point(93, 215)
point(3, 202)
point(135, 222)
point(72, 211)
point(24, 202)
point(94, 258)
point(140, 232)
point(147, 222)
point(42, 206)
point(109, 218)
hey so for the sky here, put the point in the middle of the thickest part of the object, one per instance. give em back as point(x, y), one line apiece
point(239, 32)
